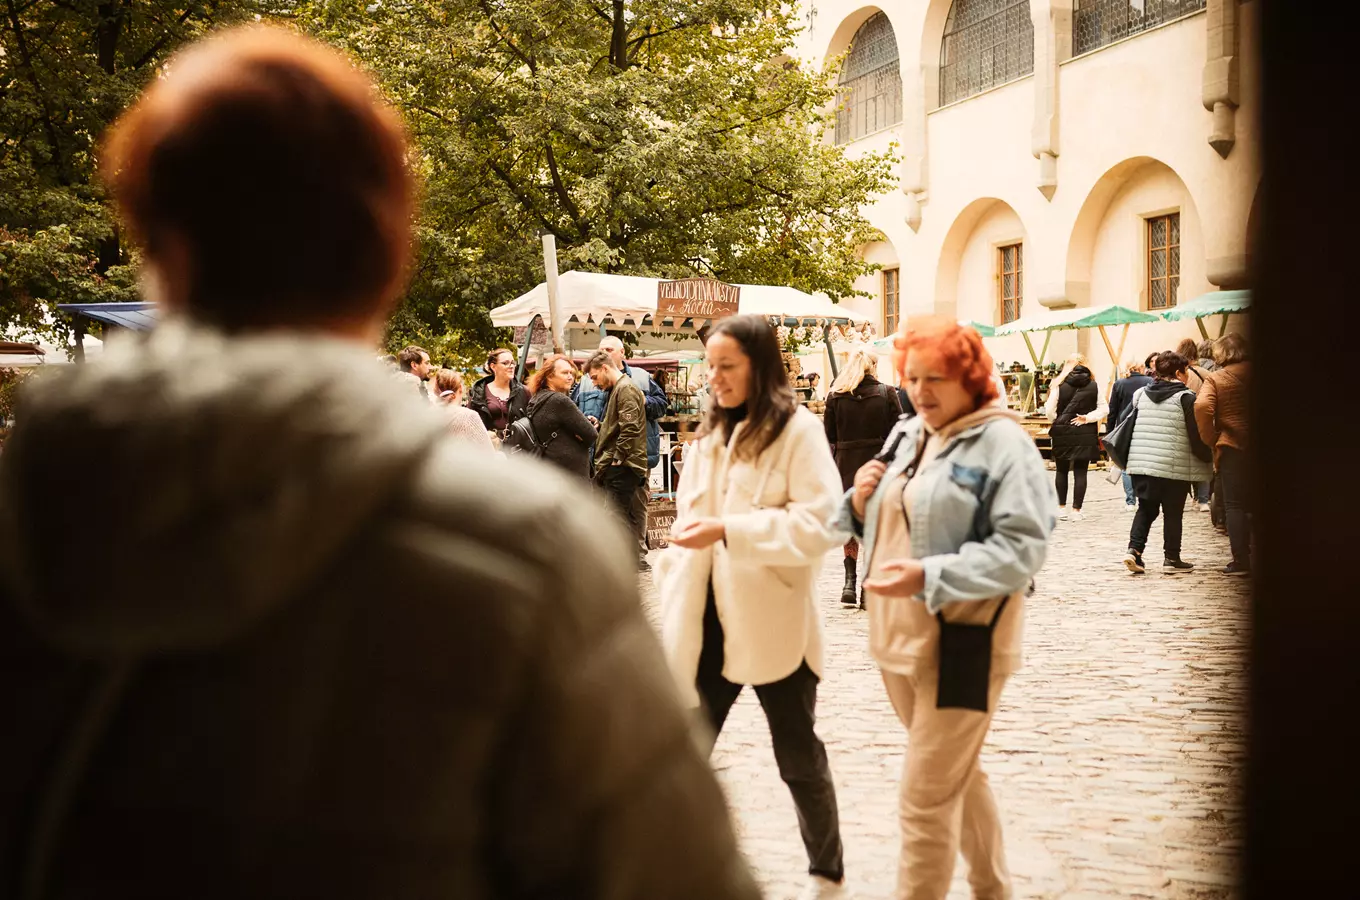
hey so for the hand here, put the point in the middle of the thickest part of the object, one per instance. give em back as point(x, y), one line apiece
point(593, 421)
point(899, 578)
point(1079, 420)
point(698, 534)
point(866, 482)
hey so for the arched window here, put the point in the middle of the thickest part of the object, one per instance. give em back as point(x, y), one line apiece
point(986, 43)
point(1096, 23)
point(869, 92)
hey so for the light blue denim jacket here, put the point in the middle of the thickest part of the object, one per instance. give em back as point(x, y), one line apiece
point(982, 510)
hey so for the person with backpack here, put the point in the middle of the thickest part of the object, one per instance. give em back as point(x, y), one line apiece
point(1075, 406)
point(1197, 371)
point(554, 429)
point(860, 412)
point(1165, 456)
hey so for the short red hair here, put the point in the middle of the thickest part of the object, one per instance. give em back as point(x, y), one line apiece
point(955, 348)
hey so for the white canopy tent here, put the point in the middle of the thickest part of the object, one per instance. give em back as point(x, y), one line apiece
point(590, 301)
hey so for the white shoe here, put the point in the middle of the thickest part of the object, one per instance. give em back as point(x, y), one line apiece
point(1204, 507)
point(1062, 513)
point(819, 888)
point(1130, 507)
point(1077, 516)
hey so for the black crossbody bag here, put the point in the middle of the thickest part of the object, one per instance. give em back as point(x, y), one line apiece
point(965, 673)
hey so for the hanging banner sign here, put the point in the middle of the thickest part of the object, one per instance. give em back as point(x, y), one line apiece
point(696, 298)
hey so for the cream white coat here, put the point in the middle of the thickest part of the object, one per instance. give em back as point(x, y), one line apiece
point(777, 510)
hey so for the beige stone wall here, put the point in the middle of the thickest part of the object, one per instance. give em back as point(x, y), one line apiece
point(1073, 157)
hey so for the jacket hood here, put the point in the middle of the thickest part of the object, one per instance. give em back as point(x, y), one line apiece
point(1079, 377)
point(178, 490)
point(1161, 390)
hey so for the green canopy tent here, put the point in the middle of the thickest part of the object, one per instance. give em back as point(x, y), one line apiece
point(886, 343)
point(1214, 303)
point(1097, 317)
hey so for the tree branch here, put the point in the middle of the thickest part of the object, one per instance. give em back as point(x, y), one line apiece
point(26, 60)
point(572, 209)
point(495, 26)
point(524, 201)
point(769, 115)
point(165, 38)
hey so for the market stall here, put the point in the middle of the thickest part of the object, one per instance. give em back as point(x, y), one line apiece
point(1077, 318)
point(670, 316)
point(1214, 303)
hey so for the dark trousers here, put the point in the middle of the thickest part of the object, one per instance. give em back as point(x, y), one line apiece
point(620, 484)
point(790, 709)
point(1166, 496)
point(637, 513)
point(1078, 469)
point(1232, 470)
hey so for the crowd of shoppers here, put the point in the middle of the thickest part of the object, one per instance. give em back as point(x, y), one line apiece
point(259, 684)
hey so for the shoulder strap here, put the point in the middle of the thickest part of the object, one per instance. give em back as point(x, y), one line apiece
point(996, 617)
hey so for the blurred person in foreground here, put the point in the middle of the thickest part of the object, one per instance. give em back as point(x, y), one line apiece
point(1221, 412)
point(463, 422)
point(860, 413)
point(738, 584)
point(1121, 397)
point(318, 648)
point(955, 517)
point(562, 430)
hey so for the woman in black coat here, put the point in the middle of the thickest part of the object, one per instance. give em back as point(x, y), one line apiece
point(498, 398)
point(563, 431)
point(1075, 405)
point(860, 411)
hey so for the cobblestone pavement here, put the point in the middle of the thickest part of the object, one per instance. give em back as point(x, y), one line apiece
point(1115, 753)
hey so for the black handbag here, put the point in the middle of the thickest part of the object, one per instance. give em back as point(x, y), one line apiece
point(1119, 439)
point(966, 663)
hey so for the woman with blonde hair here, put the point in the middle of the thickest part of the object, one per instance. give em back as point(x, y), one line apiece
point(860, 412)
point(1075, 406)
point(955, 515)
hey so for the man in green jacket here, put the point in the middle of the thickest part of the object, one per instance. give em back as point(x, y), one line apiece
point(621, 448)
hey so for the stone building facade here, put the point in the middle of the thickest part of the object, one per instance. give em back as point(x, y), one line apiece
point(1055, 153)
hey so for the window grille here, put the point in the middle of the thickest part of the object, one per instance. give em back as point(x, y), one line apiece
point(892, 309)
point(1010, 265)
point(1164, 260)
point(869, 91)
point(986, 43)
point(1096, 23)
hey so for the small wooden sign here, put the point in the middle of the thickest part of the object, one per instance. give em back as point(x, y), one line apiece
point(660, 518)
point(697, 298)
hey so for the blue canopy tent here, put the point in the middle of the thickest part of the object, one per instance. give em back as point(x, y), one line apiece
point(132, 316)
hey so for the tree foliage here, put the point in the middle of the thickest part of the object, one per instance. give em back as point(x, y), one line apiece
point(67, 69)
point(655, 137)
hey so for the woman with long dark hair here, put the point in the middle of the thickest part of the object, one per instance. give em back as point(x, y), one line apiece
point(739, 582)
point(499, 398)
point(1076, 408)
point(860, 412)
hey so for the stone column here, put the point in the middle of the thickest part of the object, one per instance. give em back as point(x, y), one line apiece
point(914, 107)
point(1052, 45)
point(1221, 90)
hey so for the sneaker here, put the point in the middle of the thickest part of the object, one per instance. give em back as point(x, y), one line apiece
point(819, 888)
point(1062, 513)
point(1204, 507)
point(1134, 560)
point(643, 565)
point(1077, 516)
point(1236, 568)
point(1130, 508)
point(1176, 565)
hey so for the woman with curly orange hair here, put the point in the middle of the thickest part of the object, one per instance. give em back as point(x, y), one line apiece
point(955, 516)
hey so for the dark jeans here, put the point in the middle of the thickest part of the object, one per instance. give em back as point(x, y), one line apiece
point(1169, 497)
point(1232, 470)
point(790, 709)
point(621, 484)
point(1078, 470)
point(637, 513)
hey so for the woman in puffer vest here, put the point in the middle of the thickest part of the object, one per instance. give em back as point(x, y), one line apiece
point(1166, 456)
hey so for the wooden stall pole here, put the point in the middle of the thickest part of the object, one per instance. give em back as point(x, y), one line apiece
point(1202, 330)
point(1223, 325)
point(1114, 356)
point(830, 353)
point(1038, 359)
